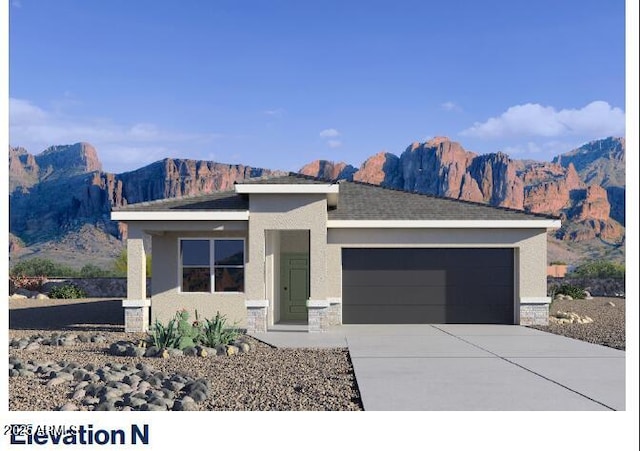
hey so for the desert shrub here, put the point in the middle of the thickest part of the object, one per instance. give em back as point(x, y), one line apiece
point(164, 336)
point(66, 291)
point(89, 270)
point(571, 290)
point(34, 267)
point(25, 282)
point(121, 262)
point(216, 331)
point(179, 333)
point(599, 270)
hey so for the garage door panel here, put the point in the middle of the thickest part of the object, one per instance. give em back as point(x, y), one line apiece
point(386, 314)
point(406, 286)
point(395, 295)
point(481, 277)
point(394, 277)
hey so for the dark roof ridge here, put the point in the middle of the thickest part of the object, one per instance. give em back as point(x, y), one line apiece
point(451, 199)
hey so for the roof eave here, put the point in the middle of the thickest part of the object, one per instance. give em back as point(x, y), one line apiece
point(180, 215)
point(443, 224)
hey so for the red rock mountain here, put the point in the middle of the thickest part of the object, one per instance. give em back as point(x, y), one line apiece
point(443, 167)
point(61, 199)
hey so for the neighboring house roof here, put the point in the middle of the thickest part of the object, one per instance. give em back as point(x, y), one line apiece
point(356, 201)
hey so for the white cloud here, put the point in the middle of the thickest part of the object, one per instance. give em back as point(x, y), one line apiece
point(597, 119)
point(451, 106)
point(121, 147)
point(333, 143)
point(276, 112)
point(329, 133)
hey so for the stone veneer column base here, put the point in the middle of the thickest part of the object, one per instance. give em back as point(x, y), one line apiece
point(318, 313)
point(136, 315)
point(534, 311)
point(257, 316)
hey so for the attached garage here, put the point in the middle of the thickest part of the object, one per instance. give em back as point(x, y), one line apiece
point(428, 286)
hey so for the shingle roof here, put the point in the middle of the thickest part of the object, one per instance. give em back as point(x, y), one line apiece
point(361, 201)
point(223, 200)
point(356, 201)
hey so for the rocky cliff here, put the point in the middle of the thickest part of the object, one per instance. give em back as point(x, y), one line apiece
point(61, 194)
point(585, 187)
point(60, 200)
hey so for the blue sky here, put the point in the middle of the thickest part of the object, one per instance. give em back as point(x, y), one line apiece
point(280, 83)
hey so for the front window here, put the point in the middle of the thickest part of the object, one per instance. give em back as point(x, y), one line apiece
point(217, 263)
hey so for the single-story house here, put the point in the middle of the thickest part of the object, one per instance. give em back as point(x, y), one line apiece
point(297, 249)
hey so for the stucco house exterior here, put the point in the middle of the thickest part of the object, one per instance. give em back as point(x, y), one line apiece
point(297, 249)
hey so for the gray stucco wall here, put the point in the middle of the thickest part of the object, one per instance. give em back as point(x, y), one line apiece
point(286, 212)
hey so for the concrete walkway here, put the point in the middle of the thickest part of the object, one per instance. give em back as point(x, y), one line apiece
point(471, 367)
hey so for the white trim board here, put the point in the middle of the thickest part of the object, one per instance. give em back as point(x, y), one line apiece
point(443, 224)
point(180, 215)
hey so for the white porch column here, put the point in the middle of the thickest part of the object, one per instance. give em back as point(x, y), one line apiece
point(136, 306)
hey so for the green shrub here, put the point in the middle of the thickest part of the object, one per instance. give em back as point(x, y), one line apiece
point(67, 291)
point(599, 270)
point(164, 336)
point(35, 267)
point(121, 263)
point(180, 334)
point(571, 290)
point(89, 270)
point(216, 332)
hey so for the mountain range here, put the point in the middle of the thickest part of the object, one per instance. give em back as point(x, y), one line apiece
point(60, 199)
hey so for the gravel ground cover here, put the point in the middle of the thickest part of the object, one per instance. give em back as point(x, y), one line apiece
point(262, 379)
point(607, 328)
point(83, 375)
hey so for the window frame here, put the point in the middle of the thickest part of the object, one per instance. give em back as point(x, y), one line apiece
point(212, 266)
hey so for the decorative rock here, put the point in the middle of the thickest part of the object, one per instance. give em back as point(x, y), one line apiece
point(190, 351)
point(151, 351)
point(182, 405)
point(243, 347)
point(153, 407)
point(90, 400)
point(56, 381)
point(232, 350)
point(32, 346)
point(18, 296)
point(42, 296)
point(69, 407)
point(175, 352)
point(79, 394)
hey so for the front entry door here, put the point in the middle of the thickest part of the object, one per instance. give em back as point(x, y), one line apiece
point(294, 286)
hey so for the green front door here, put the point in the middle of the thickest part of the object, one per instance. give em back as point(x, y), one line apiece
point(294, 286)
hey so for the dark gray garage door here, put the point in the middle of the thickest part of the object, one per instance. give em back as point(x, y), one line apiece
point(427, 286)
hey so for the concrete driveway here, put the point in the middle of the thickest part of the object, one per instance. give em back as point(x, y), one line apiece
point(472, 367)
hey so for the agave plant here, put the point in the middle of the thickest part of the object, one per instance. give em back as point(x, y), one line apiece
point(216, 332)
point(164, 336)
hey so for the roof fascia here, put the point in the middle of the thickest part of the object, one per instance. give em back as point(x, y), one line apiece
point(443, 224)
point(180, 215)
